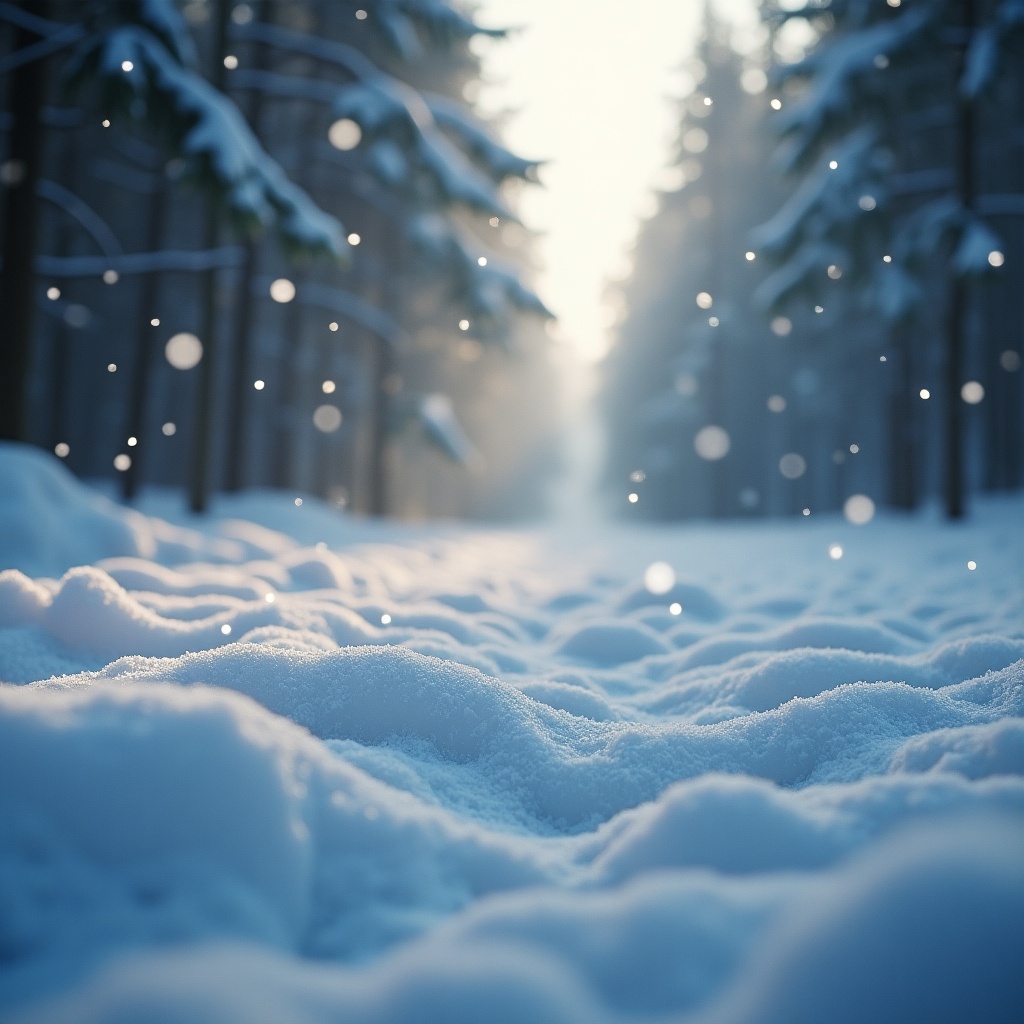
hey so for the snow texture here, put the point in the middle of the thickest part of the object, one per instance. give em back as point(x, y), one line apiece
point(412, 775)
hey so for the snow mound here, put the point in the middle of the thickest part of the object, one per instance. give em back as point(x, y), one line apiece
point(280, 766)
point(50, 522)
point(926, 927)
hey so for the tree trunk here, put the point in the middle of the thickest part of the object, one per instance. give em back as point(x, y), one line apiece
point(288, 387)
point(144, 350)
point(381, 371)
point(956, 324)
point(21, 227)
point(60, 357)
point(902, 464)
point(206, 412)
point(241, 343)
point(383, 364)
point(290, 368)
point(241, 374)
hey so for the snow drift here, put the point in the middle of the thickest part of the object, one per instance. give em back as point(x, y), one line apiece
point(463, 775)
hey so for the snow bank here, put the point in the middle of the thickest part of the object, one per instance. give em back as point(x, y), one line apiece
point(464, 775)
point(927, 927)
point(49, 522)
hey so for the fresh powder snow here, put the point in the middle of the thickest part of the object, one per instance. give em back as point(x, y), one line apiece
point(280, 765)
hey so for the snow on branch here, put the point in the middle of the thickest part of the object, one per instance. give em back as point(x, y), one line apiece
point(946, 224)
point(345, 304)
point(840, 219)
point(194, 261)
point(987, 46)
point(403, 24)
point(42, 27)
point(221, 151)
point(402, 133)
point(831, 200)
point(42, 48)
point(795, 275)
point(162, 19)
point(473, 136)
point(811, 243)
point(385, 116)
point(840, 74)
point(346, 57)
point(488, 292)
point(441, 427)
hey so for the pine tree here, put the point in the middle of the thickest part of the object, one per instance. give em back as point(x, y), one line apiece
point(21, 171)
point(136, 60)
point(418, 170)
point(882, 134)
point(425, 229)
point(685, 385)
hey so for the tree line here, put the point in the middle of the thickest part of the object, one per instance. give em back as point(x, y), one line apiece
point(828, 302)
point(267, 244)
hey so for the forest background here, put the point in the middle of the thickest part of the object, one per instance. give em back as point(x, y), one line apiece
point(276, 244)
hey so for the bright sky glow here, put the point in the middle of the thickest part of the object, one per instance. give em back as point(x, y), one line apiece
point(587, 82)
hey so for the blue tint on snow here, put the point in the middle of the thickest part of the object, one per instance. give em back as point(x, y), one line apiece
point(533, 794)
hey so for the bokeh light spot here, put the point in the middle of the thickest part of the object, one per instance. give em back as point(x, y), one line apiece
point(792, 466)
point(327, 418)
point(712, 443)
point(859, 509)
point(659, 577)
point(972, 392)
point(183, 351)
point(282, 290)
point(344, 134)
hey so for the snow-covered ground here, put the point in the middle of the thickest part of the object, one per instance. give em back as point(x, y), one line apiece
point(303, 769)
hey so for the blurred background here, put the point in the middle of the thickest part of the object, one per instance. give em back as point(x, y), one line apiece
point(425, 258)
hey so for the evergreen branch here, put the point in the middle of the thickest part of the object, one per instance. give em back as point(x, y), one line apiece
point(210, 130)
point(97, 228)
point(195, 261)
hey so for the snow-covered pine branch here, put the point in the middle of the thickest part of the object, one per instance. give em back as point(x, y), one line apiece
point(825, 220)
point(405, 23)
point(403, 141)
point(474, 137)
point(988, 47)
point(140, 74)
point(489, 293)
point(409, 145)
point(442, 428)
point(842, 76)
point(839, 213)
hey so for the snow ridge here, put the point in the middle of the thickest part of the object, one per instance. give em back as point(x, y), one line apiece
point(458, 775)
